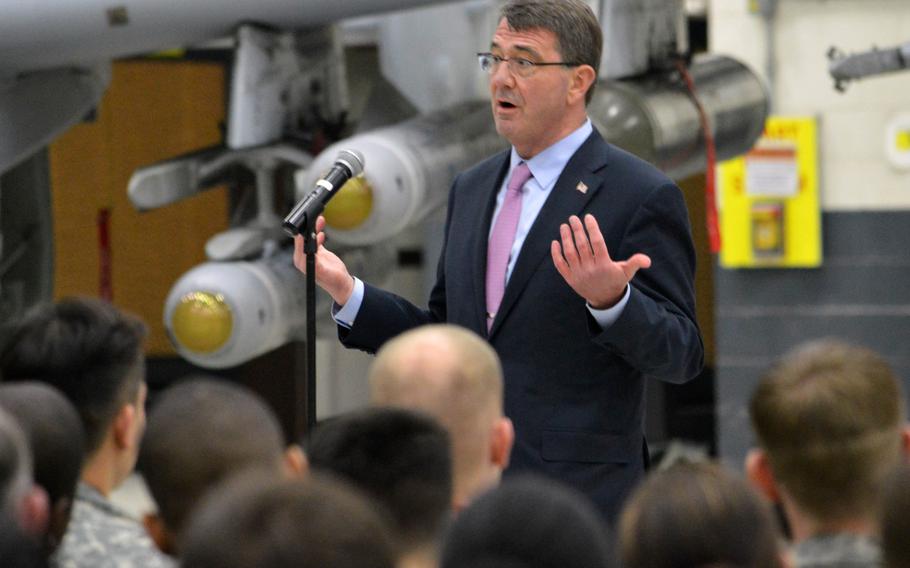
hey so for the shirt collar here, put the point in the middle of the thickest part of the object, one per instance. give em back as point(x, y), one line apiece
point(88, 494)
point(547, 165)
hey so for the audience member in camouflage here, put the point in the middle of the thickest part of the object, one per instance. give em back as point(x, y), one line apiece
point(103, 535)
point(93, 354)
point(838, 550)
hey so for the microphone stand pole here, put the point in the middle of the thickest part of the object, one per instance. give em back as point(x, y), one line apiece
point(310, 247)
point(303, 219)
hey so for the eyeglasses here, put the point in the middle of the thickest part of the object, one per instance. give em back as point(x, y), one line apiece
point(520, 66)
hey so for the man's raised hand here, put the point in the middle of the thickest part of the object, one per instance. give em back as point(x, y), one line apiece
point(582, 258)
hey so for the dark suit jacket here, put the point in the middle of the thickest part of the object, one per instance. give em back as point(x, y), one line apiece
point(574, 392)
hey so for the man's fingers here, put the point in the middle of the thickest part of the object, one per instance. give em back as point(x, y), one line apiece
point(642, 260)
point(320, 239)
point(568, 246)
point(598, 245)
point(583, 246)
point(320, 224)
point(299, 256)
point(634, 264)
point(558, 261)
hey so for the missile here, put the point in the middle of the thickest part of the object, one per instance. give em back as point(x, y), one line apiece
point(410, 167)
point(222, 314)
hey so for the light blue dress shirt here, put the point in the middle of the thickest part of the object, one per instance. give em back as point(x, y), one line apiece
point(546, 168)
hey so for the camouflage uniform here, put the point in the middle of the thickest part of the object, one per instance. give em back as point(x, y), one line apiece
point(101, 535)
point(837, 551)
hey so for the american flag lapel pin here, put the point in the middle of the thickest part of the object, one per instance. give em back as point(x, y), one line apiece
point(582, 187)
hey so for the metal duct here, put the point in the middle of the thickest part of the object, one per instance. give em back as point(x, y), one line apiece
point(654, 117)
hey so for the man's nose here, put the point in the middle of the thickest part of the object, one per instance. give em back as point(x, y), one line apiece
point(502, 75)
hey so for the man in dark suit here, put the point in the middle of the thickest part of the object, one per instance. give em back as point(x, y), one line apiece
point(528, 263)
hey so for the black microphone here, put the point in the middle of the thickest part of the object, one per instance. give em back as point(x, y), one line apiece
point(348, 164)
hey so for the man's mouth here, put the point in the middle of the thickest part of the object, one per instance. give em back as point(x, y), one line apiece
point(503, 104)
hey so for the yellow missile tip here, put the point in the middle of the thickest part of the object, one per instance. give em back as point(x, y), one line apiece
point(351, 206)
point(202, 322)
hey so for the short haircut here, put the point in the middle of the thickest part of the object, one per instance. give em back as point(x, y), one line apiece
point(54, 434)
point(697, 515)
point(312, 523)
point(451, 374)
point(88, 349)
point(398, 457)
point(579, 37)
point(829, 416)
point(528, 521)
point(199, 432)
point(15, 465)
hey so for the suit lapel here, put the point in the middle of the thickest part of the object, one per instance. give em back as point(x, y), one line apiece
point(565, 199)
point(480, 233)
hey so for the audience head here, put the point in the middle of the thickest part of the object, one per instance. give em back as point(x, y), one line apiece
point(23, 505)
point(55, 437)
point(829, 419)
point(398, 457)
point(697, 515)
point(92, 353)
point(199, 432)
point(895, 518)
point(258, 521)
point(528, 522)
point(454, 376)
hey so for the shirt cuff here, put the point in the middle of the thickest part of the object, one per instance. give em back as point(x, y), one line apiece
point(346, 314)
point(606, 318)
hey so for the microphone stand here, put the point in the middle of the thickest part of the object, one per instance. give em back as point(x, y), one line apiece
point(309, 248)
point(303, 219)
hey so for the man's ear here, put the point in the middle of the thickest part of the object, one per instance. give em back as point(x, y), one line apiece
point(123, 426)
point(583, 77)
point(905, 441)
point(159, 533)
point(501, 442)
point(296, 463)
point(34, 511)
point(760, 474)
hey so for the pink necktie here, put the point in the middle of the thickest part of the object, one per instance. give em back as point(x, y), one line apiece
point(501, 240)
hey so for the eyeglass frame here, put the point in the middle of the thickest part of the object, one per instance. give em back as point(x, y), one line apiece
point(522, 62)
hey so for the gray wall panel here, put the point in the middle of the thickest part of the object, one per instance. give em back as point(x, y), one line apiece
point(861, 294)
point(768, 336)
point(734, 388)
point(844, 281)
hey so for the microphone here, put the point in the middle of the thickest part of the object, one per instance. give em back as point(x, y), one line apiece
point(348, 164)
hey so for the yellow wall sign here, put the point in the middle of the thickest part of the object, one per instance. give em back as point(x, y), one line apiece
point(769, 208)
